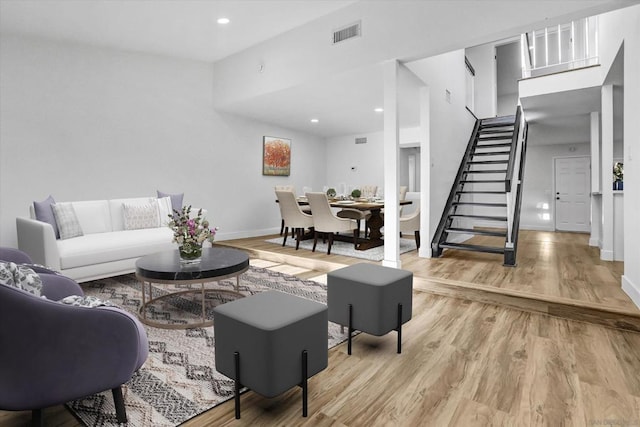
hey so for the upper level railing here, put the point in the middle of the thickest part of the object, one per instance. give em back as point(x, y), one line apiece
point(560, 48)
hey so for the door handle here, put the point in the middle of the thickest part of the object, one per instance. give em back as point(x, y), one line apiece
point(557, 198)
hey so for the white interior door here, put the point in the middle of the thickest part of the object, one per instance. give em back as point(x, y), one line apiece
point(573, 199)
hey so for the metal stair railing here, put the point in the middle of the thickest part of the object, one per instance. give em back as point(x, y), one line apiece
point(514, 206)
point(515, 140)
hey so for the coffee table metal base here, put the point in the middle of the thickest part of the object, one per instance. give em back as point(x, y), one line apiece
point(203, 321)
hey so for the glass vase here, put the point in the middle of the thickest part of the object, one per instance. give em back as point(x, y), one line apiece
point(190, 253)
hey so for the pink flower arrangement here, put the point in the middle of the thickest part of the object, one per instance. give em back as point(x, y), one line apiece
point(191, 233)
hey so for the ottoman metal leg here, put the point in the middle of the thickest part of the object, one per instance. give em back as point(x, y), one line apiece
point(350, 329)
point(304, 383)
point(236, 360)
point(399, 328)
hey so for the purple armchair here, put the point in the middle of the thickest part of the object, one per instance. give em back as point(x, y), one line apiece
point(51, 353)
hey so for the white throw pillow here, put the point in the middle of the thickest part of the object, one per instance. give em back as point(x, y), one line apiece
point(164, 210)
point(67, 221)
point(93, 216)
point(137, 216)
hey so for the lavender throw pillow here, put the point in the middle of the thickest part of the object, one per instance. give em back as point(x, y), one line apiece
point(44, 213)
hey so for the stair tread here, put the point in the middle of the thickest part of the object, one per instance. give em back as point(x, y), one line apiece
point(496, 125)
point(477, 248)
point(497, 205)
point(487, 217)
point(504, 144)
point(478, 181)
point(480, 192)
point(495, 138)
point(477, 232)
point(491, 153)
point(490, 131)
point(487, 171)
point(487, 162)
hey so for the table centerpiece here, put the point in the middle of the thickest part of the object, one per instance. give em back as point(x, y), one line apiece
point(190, 233)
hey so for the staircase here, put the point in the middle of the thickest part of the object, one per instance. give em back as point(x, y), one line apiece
point(486, 194)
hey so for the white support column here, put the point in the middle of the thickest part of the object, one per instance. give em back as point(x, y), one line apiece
point(596, 166)
point(426, 227)
point(391, 141)
point(596, 172)
point(606, 251)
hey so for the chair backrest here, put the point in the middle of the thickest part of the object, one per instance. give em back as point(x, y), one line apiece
point(323, 218)
point(14, 255)
point(290, 211)
point(410, 223)
point(403, 192)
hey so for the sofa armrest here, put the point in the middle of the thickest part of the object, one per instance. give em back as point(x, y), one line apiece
point(38, 239)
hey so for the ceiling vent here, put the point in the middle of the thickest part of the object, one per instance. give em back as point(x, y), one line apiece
point(348, 32)
point(362, 140)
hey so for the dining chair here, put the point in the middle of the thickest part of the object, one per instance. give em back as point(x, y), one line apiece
point(402, 195)
point(293, 216)
point(324, 221)
point(411, 224)
point(283, 188)
point(293, 190)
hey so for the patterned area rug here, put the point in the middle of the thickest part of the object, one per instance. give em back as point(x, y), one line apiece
point(179, 379)
point(346, 249)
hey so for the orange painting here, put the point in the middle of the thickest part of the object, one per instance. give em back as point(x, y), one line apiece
point(276, 156)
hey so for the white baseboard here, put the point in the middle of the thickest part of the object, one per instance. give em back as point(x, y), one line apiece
point(606, 255)
point(633, 290)
point(593, 242)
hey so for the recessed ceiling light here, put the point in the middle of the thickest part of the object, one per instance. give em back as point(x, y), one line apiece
point(379, 110)
point(314, 120)
point(223, 21)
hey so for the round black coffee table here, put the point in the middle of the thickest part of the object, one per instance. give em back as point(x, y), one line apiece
point(166, 268)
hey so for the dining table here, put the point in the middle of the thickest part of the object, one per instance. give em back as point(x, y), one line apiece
point(375, 221)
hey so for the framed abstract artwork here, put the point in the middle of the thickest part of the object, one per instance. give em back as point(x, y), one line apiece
point(276, 156)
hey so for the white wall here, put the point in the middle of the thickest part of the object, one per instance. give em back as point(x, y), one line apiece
point(83, 123)
point(342, 153)
point(538, 198)
point(482, 59)
point(450, 129)
point(614, 29)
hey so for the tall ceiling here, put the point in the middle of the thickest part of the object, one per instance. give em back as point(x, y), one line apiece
point(342, 97)
point(181, 28)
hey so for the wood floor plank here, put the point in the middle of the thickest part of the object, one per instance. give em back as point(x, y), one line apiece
point(500, 377)
point(596, 360)
point(551, 387)
point(609, 407)
point(471, 413)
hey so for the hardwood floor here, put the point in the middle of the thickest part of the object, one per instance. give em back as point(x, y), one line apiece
point(464, 362)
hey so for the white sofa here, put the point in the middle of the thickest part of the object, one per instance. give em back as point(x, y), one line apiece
point(105, 249)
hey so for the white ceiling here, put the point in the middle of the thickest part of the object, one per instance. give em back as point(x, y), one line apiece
point(563, 117)
point(343, 102)
point(181, 28)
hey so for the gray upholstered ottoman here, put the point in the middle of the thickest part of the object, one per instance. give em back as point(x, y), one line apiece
point(270, 342)
point(370, 298)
